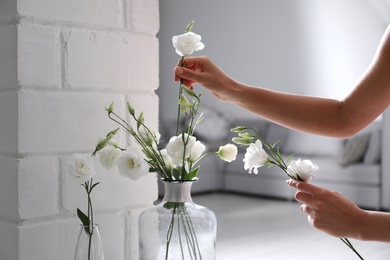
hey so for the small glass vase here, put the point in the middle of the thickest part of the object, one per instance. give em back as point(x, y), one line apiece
point(89, 247)
point(177, 228)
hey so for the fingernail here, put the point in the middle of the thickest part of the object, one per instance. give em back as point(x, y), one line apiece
point(179, 70)
point(289, 182)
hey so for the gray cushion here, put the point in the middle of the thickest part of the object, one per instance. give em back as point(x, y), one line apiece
point(354, 149)
point(373, 153)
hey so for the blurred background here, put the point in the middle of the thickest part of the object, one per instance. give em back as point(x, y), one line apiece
point(317, 47)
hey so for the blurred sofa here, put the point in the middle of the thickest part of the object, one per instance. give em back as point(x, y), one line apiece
point(351, 166)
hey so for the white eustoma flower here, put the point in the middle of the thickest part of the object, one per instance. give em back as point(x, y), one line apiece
point(196, 151)
point(167, 159)
point(227, 152)
point(255, 157)
point(175, 148)
point(81, 167)
point(132, 164)
point(301, 170)
point(187, 43)
point(109, 156)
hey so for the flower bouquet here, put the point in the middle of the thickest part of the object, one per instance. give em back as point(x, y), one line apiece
point(261, 153)
point(177, 163)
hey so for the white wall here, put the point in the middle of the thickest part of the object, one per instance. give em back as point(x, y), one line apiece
point(317, 47)
point(61, 63)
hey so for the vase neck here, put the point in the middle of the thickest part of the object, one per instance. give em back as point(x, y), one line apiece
point(176, 191)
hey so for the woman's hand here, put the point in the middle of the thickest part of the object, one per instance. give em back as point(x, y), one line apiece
point(329, 211)
point(201, 70)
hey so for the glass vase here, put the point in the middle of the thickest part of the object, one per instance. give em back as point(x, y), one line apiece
point(89, 244)
point(177, 228)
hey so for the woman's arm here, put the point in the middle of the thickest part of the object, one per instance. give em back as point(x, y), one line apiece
point(315, 115)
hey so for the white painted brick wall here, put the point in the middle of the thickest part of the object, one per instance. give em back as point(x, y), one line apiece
point(38, 56)
point(106, 13)
point(61, 64)
point(63, 121)
point(143, 18)
point(38, 186)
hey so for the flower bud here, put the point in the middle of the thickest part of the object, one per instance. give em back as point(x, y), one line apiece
point(185, 106)
point(246, 135)
point(238, 129)
point(140, 120)
point(130, 109)
point(227, 152)
point(189, 26)
point(241, 141)
point(110, 109)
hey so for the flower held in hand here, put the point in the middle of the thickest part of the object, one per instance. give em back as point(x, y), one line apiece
point(185, 44)
point(301, 170)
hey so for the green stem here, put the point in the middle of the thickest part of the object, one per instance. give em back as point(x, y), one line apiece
point(170, 232)
point(90, 216)
point(349, 244)
point(180, 92)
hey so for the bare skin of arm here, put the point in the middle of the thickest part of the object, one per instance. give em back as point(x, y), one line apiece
point(322, 116)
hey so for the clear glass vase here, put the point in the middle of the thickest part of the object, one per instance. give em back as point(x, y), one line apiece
point(89, 244)
point(177, 228)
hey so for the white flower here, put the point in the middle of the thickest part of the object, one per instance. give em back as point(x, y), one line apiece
point(227, 152)
point(301, 170)
point(80, 166)
point(187, 43)
point(175, 148)
point(255, 157)
point(167, 159)
point(109, 156)
point(196, 151)
point(132, 164)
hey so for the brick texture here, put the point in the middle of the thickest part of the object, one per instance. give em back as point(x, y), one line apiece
point(62, 63)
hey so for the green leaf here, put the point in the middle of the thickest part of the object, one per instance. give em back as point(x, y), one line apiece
point(290, 158)
point(84, 220)
point(93, 186)
point(193, 173)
